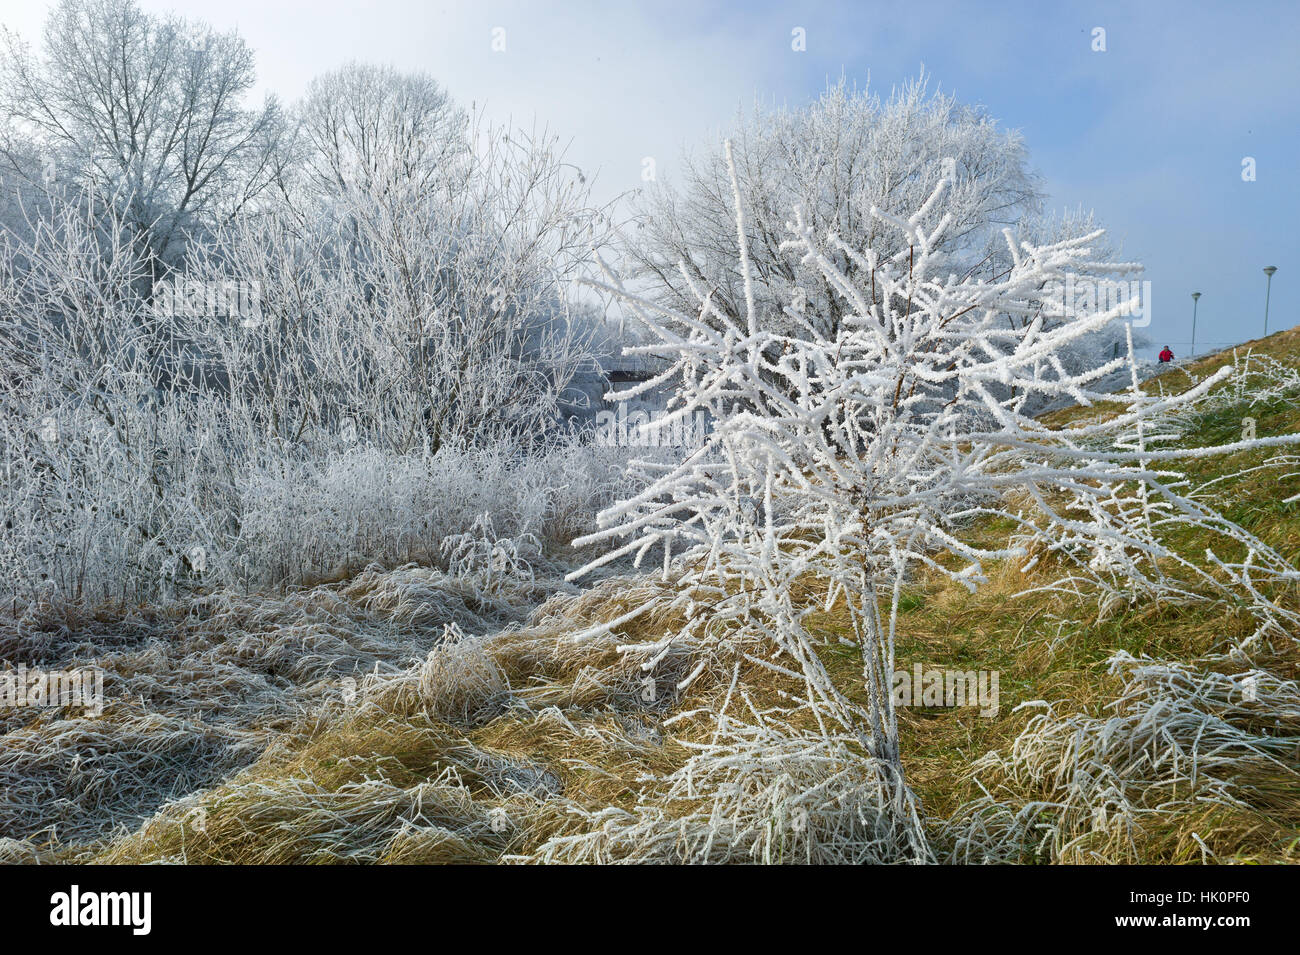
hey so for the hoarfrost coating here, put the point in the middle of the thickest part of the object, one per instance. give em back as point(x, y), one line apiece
point(848, 452)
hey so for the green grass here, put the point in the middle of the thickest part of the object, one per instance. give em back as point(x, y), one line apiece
point(1051, 647)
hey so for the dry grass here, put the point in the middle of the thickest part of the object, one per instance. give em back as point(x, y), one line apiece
point(233, 735)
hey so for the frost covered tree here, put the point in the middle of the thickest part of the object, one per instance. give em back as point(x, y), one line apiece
point(853, 449)
point(423, 312)
point(836, 158)
point(147, 110)
point(364, 127)
point(374, 325)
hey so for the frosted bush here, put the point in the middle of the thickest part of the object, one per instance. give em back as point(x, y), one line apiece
point(848, 453)
point(486, 560)
point(364, 408)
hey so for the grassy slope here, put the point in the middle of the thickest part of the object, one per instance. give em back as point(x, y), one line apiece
point(406, 776)
point(1053, 648)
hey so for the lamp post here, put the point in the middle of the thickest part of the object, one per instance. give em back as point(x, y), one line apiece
point(1268, 289)
point(1196, 299)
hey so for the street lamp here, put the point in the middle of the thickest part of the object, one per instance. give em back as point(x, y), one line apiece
point(1268, 270)
point(1196, 298)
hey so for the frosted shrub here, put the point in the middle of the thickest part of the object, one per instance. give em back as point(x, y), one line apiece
point(845, 457)
point(482, 558)
point(106, 485)
point(394, 371)
point(477, 511)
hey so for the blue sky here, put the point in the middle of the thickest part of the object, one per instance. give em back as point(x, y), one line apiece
point(1151, 133)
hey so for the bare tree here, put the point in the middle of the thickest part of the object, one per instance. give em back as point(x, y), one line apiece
point(147, 109)
point(366, 128)
point(862, 456)
point(424, 314)
point(837, 159)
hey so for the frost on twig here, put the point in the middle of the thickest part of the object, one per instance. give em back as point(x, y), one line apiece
point(840, 463)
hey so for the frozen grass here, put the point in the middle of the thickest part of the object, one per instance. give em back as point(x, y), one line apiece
point(400, 508)
point(403, 715)
point(758, 791)
point(198, 692)
point(525, 745)
point(1188, 764)
point(420, 764)
point(86, 526)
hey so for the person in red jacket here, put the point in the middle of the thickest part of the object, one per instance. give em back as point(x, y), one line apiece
point(1166, 355)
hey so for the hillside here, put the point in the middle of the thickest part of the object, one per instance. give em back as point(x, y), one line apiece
point(1126, 730)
